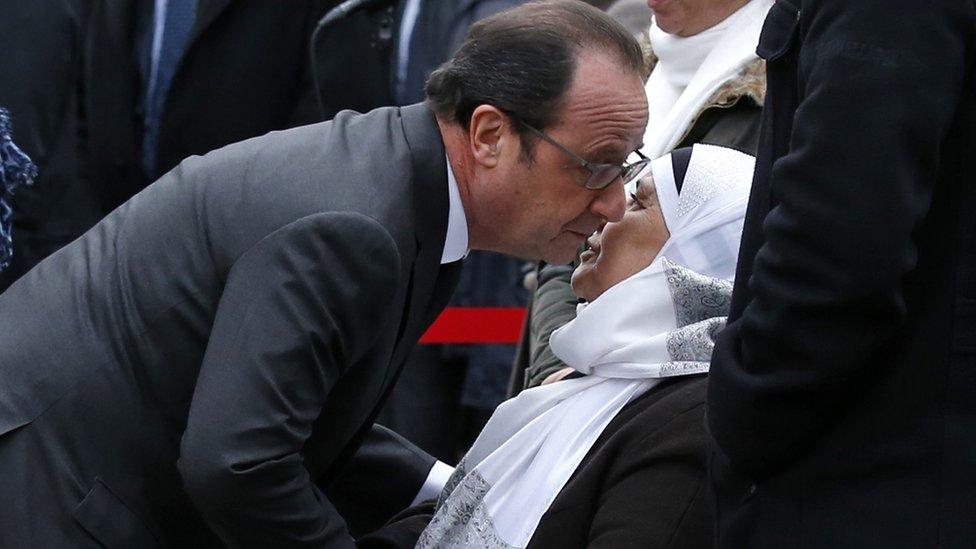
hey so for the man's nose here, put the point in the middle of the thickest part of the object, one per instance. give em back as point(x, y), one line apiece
point(611, 202)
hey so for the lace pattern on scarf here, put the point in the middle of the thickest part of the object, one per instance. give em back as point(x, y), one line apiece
point(696, 297)
point(461, 519)
point(701, 304)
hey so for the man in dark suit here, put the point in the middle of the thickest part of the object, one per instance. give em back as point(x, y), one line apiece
point(108, 101)
point(195, 367)
point(842, 395)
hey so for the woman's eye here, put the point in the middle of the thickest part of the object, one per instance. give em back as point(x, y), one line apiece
point(634, 202)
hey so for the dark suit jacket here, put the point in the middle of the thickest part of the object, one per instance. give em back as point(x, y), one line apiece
point(357, 58)
point(245, 71)
point(73, 87)
point(217, 345)
point(841, 395)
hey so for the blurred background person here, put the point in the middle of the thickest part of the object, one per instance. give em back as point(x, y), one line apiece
point(110, 94)
point(707, 86)
point(42, 85)
point(633, 15)
point(16, 171)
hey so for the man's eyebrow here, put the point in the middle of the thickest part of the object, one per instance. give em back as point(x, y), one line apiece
point(606, 154)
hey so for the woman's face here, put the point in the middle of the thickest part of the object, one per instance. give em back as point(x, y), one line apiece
point(624, 248)
point(690, 17)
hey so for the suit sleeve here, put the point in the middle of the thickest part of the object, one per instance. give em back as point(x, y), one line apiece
point(877, 95)
point(298, 308)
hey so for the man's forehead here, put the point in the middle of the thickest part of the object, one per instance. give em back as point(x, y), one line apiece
point(605, 105)
point(607, 128)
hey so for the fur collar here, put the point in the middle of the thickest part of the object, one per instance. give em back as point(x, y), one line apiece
point(750, 83)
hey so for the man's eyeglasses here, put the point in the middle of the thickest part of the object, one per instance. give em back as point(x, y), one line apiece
point(601, 175)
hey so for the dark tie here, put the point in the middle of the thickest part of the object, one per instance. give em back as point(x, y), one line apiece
point(180, 15)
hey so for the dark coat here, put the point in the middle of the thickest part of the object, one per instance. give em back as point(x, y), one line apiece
point(357, 58)
point(73, 87)
point(842, 396)
point(641, 485)
point(41, 67)
point(206, 354)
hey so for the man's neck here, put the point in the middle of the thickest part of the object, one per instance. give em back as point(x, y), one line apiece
point(455, 144)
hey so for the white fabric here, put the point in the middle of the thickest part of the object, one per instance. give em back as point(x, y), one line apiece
point(434, 483)
point(411, 10)
point(533, 443)
point(456, 241)
point(706, 220)
point(159, 24)
point(690, 70)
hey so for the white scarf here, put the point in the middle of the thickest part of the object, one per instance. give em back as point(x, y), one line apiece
point(657, 323)
point(690, 70)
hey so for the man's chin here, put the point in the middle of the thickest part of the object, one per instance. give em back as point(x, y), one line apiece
point(555, 256)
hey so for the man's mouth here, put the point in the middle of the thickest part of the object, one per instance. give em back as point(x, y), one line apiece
point(581, 236)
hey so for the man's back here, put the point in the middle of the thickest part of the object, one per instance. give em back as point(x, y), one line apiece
point(255, 250)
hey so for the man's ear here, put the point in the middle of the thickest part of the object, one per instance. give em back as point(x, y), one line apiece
point(489, 132)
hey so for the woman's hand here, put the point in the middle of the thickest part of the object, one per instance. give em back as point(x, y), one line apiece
point(557, 375)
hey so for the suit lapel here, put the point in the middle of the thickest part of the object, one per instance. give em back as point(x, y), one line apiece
point(430, 206)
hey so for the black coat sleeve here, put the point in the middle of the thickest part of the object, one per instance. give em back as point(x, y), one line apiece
point(382, 478)
point(877, 84)
point(298, 308)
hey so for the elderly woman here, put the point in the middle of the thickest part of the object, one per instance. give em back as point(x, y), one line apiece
point(614, 458)
point(707, 86)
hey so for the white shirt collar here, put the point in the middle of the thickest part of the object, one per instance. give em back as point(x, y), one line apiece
point(456, 243)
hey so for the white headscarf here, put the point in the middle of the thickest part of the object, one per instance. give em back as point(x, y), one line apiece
point(690, 70)
point(627, 341)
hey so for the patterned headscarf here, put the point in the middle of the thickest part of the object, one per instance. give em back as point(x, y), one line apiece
point(16, 169)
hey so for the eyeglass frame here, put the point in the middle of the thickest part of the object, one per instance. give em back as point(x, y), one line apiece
point(630, 169)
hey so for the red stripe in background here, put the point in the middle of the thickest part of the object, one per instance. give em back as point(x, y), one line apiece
point(476, 325)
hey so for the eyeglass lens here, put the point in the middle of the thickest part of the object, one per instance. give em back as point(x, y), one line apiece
point(607, 173)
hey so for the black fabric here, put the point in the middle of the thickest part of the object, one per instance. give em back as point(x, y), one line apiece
point(41, 67)
point(841, 391)
point(379, 480)
point(734, 126)
point(680, 159)
point(74, 89)
point(217, 376)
